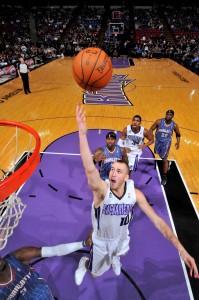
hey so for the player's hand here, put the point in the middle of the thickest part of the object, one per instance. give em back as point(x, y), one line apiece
point(177, 146)
point(99, 155)
point(89, 239)
point(81, 119)
point(190, 262)
point(128, 150)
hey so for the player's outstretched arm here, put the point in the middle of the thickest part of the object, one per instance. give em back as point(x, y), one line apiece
point(25, 254)
point(96, 184)
point(85, 152)
point(167, 232)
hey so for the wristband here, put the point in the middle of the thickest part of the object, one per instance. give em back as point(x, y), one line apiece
point(121, 143)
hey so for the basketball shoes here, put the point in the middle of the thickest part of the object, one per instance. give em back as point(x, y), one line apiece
point(81, 271)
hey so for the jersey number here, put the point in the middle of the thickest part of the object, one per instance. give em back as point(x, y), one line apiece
point(164, 135)
point(125, 221)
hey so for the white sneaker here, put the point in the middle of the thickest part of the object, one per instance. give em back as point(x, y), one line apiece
point(116, 266)
point(81, 271)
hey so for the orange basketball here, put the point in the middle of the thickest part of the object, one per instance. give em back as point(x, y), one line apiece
point(92, 69)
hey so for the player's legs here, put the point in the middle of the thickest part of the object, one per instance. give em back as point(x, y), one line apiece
point(164, 170)
point(103, 255)
point(122, 247)
point(162, 149)
point(100, 260)
point(133, 159)
point(106, 254)
point(165, 165)
point(97, 264)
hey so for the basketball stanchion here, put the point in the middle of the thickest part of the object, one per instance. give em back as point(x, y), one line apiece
point(11, 206)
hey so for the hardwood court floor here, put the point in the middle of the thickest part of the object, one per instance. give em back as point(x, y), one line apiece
point(157, 85)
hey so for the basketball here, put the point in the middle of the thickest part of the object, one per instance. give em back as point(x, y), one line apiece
point(92, 69)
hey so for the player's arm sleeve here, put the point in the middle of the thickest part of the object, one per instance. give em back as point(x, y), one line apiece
point(62, 249)
point(121, 143)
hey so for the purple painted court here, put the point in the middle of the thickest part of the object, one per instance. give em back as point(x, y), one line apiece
point(58, 211)
point(122, 62)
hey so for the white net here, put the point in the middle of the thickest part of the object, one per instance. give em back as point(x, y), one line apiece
point(11, 211)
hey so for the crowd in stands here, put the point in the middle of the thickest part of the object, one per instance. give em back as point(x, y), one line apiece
point(184, 19)
point(147, 19)
point(85, 30)
point(60, 31)
point(14, 33)
point(51, 23)
point(184, 24)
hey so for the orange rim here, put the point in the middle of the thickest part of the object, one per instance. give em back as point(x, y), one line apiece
point(10, 184)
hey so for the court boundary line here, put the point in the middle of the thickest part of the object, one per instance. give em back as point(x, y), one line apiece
point(185, 185)
point(174, 228)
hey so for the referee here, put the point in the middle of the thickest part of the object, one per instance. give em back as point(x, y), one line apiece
point(23, 71)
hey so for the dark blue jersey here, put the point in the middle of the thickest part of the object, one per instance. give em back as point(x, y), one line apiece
point(24, 283)
point(111, 157)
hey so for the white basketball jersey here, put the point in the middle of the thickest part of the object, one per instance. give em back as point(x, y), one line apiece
point(134, 139)
point(111, 219)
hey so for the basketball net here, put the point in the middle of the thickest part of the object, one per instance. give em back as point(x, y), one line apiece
point(11, 211)
point(17, 138)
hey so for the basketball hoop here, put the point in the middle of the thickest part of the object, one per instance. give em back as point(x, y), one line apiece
point(15, 178)
point(21, 168)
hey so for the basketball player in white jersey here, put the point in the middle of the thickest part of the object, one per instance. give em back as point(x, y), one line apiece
point(113, 202)
point(132, 138)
